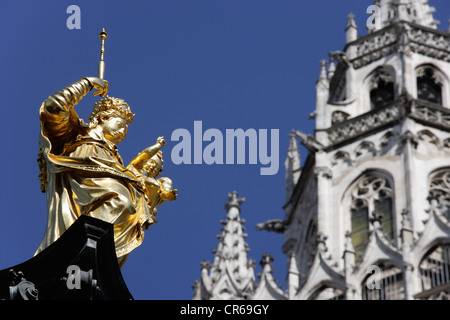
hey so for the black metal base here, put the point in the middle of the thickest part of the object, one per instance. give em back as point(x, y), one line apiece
point(80, 265)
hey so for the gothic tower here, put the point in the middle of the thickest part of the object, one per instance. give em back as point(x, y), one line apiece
point(368, 214)
point(231, 276)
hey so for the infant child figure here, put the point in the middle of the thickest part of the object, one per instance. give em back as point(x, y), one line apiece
point(147, 166)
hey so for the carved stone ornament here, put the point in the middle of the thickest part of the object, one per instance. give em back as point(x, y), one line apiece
point(369, 189)
point(402, 36)
point(363, 124)
point(440, 192)
point(338, 117)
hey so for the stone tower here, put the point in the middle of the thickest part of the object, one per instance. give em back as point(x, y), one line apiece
point(231, 276)
point(368, 213)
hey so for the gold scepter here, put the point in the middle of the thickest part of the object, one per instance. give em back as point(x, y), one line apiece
point(101, 64)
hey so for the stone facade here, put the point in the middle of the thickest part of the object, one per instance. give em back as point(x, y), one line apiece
point(367, 216)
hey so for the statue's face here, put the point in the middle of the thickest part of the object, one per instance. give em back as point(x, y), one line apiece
point(114, 129)
point(151, 169)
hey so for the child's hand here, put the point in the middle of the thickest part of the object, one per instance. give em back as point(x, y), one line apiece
point(161, 141)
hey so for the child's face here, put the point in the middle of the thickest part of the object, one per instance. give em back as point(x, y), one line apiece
point(151, 169)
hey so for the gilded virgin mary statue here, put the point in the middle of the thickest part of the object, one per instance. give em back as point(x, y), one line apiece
point(81, 170)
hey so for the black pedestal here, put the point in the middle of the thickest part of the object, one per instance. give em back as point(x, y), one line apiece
point(80, 265)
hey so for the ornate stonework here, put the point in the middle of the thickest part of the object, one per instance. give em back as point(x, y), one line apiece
point(364, 124)
point(367, 215)
point(232, 275)
point(403, 36)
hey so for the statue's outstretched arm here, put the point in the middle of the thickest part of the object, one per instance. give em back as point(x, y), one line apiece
point(68, 97)
point(147, 153)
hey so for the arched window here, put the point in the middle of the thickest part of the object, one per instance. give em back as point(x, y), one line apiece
point(360, 227)
point(383, 207)
point(383, 282)
point(429, 84)
point(372, 195)
point(440, 191)
point(381, 87)
point(382, 94)
point(435, 267)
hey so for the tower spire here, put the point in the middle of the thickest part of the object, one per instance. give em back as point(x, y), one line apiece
point(417, 11)
point(231, 275)
point(292, 166)
point(351, 31)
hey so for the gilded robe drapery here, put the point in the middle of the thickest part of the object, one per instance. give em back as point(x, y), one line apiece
point(82, 173)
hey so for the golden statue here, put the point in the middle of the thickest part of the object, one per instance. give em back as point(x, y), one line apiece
point(82, 172)
point(147, 166)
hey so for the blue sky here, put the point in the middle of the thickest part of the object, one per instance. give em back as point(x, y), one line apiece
point(228, 63)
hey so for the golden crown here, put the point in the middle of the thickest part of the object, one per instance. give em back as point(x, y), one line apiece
point(111, 103)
